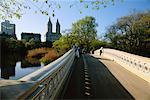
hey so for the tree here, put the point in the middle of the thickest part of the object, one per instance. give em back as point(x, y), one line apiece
point(131, 33)
point(10, 45)
point(62, 45)
point(84, 31)
point(96, 44)
point(16, 8)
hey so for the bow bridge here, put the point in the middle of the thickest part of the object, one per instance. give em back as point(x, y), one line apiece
point(113, 75)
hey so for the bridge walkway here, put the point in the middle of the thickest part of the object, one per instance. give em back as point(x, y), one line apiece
point(91, 79)
point(136, 86)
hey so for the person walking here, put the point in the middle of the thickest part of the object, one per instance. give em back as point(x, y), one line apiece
point(77, 54)
point(101, 51)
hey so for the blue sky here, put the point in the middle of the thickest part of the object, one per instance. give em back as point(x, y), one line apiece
point(105, 17)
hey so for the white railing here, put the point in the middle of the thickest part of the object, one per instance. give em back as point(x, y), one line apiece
point(136, 64)
point(49, 79)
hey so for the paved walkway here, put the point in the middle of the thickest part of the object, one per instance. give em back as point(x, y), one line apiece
point(12, 89)
point(136, 86)
point(91, 79)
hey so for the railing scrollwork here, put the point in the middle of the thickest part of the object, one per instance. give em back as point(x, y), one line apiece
point(50, 79)
point(136, 64)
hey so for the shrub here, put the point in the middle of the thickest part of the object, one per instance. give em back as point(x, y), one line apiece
point(49, 57)
point(36, 52)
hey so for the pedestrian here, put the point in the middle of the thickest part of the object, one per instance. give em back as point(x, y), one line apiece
point(101, 50)
point(77, 52)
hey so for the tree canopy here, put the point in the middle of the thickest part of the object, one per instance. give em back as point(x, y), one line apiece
point(83, 33)
point(131, 33)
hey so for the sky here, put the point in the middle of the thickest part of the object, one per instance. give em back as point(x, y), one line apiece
point(37, 23)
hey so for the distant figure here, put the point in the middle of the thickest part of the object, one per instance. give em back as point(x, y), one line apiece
point(101, 50)
point(83, 51)
point(73, 46)
point(77, 54)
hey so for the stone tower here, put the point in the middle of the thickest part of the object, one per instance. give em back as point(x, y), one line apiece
point(57, 27)
point(49, 26)
point(50, 35)
point(49, 30)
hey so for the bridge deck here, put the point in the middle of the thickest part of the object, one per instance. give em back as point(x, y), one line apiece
point(138, 87)
point(91, 79)
point(12, 89)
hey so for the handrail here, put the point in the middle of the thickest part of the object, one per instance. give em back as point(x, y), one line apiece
point(49, 79)
point(136, 64)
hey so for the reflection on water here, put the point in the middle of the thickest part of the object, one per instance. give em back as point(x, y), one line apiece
point(6, 72)
point(17, 71)
point(11, 68)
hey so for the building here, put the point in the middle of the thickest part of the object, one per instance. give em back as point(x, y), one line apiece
point(53, 36)
point(8, 28)
point(29, 36)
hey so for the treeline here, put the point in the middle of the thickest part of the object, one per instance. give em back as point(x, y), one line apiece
point(83, 33)
point(10, 45)
point(22, 50)
point(131, 34)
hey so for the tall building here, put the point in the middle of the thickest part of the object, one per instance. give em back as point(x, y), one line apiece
point(53, 36)
point(28, 36)
point(8, 28)
point(57, 27)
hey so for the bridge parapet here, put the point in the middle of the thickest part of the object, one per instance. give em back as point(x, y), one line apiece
point(49, 79)
point(136, 64)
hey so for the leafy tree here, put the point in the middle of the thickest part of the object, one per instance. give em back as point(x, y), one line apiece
point(131, 33)
point(62, 45)
point(9, 45)
point(96, 44)
point(84, 31)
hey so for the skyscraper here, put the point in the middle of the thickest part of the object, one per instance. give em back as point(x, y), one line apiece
point(8, 28)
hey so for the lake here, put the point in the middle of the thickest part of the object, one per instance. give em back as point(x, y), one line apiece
point(15, 66)
point(17, 71)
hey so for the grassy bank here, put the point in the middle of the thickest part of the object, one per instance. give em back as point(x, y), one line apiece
point(45, 55)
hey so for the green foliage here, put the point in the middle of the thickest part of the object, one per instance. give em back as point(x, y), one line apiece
point(96, 44)
point(31, 44)
point(131, 33)
point(63, 44)
point(10, 45)
point(11, 8)
point(84, 32)
point(16, 8)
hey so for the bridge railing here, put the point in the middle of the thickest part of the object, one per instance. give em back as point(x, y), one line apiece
point(136, 64)
point(49, 79)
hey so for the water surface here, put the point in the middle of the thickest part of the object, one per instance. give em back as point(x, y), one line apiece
point(17, 71)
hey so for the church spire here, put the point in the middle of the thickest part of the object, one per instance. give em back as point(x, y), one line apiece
point(57, 21)
point(49, 20)
point(49, 26)
point(57, 27)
